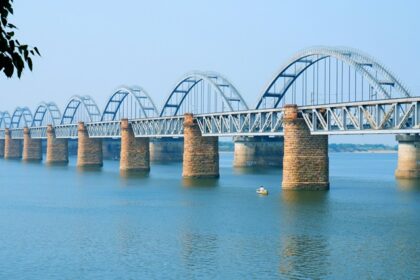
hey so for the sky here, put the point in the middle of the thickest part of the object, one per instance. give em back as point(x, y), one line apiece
point(93, 47)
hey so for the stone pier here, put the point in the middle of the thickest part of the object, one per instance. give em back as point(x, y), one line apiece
point(135, 155)
point(258, 151)
point(166, 149)
point(12, 147)
point(408, 157)
point(305, 161)
point(2, 148)
point(89, 150)
point(201, 154)
point(57, 149)
point(32, 148)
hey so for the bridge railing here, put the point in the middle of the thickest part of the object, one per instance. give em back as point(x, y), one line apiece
point(38, 132)
point(16, 133)
point(392, 116)
point(66, 131)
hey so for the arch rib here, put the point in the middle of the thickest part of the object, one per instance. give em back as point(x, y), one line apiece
point(41, 111)
point(88, 105)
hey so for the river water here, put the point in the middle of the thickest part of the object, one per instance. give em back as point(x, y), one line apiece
point(63, 223)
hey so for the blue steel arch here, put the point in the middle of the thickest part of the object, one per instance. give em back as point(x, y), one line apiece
point(89, 110)
point(5, 120)
point(215, 80)
point(142, 106)
point(378, 77)
point(46, 113)
point(22, 117)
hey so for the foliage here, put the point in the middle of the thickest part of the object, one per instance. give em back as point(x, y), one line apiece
point(14, 56)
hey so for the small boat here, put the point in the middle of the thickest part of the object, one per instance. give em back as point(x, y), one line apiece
point(262, 191)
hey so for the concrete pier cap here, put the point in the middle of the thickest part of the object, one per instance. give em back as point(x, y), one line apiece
point(408, 156)
point(305, 161)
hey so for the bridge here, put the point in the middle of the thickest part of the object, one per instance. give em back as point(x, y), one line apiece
point(318, 92)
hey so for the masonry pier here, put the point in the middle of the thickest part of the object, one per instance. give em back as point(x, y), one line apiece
point(305, 162)
point(57, 149)
point(166, 149)
point(89, 150)
point(408, 157)
point(135, 153)
point(12, 147)
point(201, 154)
point(2, 148)
point(32, 148)
point(259, 151)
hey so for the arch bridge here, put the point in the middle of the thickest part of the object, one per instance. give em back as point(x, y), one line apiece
point(338, 90)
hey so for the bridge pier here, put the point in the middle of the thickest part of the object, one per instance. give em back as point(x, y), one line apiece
point(408, 157)
point(2, 148)
point(166, 149)
point(201, 154)
point(135, 154)
point(260, 151)
point(12, 147)
point(32, 148)
point(89, 150)
point(57, 149)
point(305, 162)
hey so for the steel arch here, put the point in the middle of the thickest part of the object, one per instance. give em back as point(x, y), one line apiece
point(5, 120)
point(88, 105)
point(41, 111)
point(142, 99)
point(191, 79)
point(21, 113)
point(356, 59)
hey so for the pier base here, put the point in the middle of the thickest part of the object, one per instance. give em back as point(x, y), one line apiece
point(305, 162)
point(57, 149)
point(135, 155)
point(89, 150)
point(166, 149)
point(408, 157)
point(201, 154)
point(12, 147)
point(32, 148)
point(258, 151)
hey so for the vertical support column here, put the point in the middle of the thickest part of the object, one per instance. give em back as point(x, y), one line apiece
point(408, 157)
point(89, 150)
point(57, 149)
point(259, 151)
point(201, 154)
point(305, 162)
point(2, 147)
point(32, 148)
point(12, 147)
point(135, 155)
point(166, 149)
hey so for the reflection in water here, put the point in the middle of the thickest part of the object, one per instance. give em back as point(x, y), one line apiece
point(256, 170)
point(304, 257)
point(304, 251)
point(409, 184)
point(93, 169)
point(134, 174)
point(200, 254)
point(200, 182)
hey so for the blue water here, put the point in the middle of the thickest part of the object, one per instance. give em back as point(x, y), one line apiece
point(63, 223)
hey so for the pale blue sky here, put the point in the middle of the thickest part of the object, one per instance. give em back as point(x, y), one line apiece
point(92, 47)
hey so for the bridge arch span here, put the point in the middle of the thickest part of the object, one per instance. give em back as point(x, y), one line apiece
point(81, 109)
point(325, 75)
point(5, 120)
point(129, 102)
point(203, 92)
point(45, 114)
point(22, 117)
